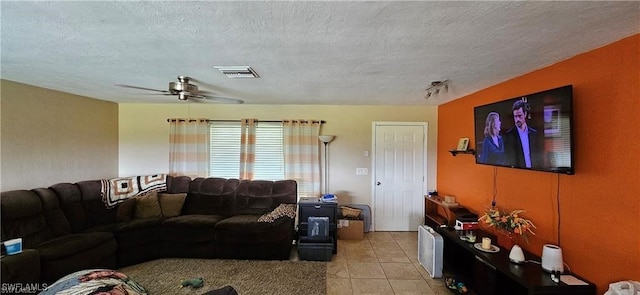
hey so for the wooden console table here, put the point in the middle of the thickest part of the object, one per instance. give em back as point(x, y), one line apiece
point(493, 273)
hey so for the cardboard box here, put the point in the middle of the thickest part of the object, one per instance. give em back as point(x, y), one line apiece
point(350, 229)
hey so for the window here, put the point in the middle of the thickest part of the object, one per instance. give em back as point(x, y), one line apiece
point(225, 151)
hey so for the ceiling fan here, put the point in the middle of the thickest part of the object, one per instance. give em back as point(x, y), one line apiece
point(185, 91)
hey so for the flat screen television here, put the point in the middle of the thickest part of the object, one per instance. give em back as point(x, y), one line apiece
point(533, 131)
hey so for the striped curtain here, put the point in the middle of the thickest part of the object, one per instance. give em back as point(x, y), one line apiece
point(301, 156)
point(189, 147)
point(247, 147)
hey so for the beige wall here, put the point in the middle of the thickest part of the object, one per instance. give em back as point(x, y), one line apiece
point(49, 137)
point(144, 135)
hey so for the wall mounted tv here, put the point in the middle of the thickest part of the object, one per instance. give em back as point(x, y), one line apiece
point(533, 131)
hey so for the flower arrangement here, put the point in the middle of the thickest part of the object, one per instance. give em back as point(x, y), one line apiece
point(508, 222)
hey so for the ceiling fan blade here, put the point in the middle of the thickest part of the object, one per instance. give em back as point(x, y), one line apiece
point(221, 99)
point(142, 88)
point(208, 95)
point(163, 94)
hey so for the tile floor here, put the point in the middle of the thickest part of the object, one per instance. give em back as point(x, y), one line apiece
point(381, 263)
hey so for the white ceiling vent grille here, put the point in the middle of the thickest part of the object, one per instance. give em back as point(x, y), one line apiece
point(238, 72)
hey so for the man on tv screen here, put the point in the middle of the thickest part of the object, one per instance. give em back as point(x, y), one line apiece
point(522, 148)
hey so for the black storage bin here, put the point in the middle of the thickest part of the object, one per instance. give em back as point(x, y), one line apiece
point(315, 250)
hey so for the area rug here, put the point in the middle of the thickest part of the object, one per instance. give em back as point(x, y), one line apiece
point(248, 277)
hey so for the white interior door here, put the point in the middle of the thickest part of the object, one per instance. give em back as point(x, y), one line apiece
point(399, 168)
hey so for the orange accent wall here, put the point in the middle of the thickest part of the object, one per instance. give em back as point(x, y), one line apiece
point(600, 204)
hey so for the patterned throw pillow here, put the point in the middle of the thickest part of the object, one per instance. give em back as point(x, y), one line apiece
point(282, 210)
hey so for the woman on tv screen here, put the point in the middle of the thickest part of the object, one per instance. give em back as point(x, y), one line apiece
point(492, 144)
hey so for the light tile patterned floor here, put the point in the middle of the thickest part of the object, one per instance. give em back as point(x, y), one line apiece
point(381, 263)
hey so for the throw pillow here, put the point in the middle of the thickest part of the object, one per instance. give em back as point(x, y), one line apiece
point(147, 206)
point(171, 204)
point(282, 210)
point(125, 210)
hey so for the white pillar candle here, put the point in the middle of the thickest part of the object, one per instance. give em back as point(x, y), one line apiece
point(486, 243)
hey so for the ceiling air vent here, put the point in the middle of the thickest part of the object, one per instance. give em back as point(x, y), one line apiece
point(238, 72)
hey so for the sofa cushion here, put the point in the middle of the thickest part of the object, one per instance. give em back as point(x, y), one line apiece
point(256, 197)
point(92, 200)
point(132, 225)
point(190, 228)
point(253, 197)
point(124, 212)
point(56, 220)
point(20, 204)
point(171, 204)
point(68, 245)
point(242, 223)
point(20, 268)
point(23, 217)
point(192, 221)
point(178, 184)
point(285, 191)
point(139, 224)
point(138, 241)
point(147, 206)
point(245, 229)
point(210, 196)
point(100, 255)
point(71, 204)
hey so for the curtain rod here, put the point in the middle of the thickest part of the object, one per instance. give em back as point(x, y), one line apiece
point(232, 121)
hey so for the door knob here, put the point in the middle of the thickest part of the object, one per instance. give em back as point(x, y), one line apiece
point(378, 183)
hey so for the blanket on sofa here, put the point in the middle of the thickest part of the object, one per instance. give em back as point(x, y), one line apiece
point(118, 190)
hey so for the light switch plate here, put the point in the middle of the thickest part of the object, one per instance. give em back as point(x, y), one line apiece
point(362, 171)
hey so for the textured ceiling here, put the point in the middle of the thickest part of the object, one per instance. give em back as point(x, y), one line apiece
point(305, 52)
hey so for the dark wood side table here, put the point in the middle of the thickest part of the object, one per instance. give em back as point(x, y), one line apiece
point(308, 207)
point(493, 273)
point(436, 214)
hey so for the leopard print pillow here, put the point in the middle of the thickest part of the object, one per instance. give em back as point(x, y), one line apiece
point(282, 210)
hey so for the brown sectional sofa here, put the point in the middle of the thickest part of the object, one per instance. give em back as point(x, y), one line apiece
point(67, 227)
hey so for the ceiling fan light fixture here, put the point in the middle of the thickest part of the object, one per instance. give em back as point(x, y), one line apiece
point(184, 95)
point(182, 88)
point(235, 72)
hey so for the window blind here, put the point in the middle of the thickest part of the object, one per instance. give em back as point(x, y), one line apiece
point(225, 150)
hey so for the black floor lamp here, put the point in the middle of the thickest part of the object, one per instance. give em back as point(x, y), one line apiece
point(326, 139)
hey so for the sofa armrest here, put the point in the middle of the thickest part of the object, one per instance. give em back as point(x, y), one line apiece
point(23, 267)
